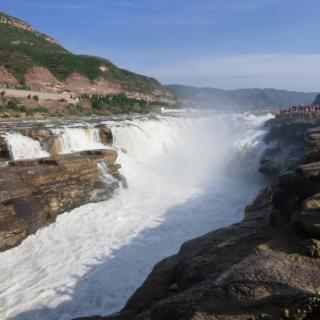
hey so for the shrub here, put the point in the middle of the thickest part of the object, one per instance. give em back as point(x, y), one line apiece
point(13, 104)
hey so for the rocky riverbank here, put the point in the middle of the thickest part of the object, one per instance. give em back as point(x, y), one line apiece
point(265, 267)
point(34, 192)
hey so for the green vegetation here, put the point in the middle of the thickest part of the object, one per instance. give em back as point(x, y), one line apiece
point(117, 104)
point(38, 110)
point(21, 49)
point(13, 106)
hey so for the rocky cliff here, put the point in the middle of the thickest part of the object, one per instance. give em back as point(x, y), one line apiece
point(34, 192)
point(265, 267)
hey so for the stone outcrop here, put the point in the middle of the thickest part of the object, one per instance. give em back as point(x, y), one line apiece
point(286, 144)
point(265, 267)
point(105, 133)
point(7, 79)
point(41, 79)
point(19, 24)
point(4, 150)
point(34, 192)
point(81, 85)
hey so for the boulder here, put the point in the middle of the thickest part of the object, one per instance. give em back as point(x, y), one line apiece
point(309, 221)
point(310, 170)
point(298, 184)
point(106, 135)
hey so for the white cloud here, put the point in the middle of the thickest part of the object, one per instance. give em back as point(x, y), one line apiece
point(286, 71)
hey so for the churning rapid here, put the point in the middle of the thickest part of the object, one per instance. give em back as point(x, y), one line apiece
point(186, 177)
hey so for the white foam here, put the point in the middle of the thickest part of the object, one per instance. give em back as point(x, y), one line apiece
point(78, 139)
point(22, 147)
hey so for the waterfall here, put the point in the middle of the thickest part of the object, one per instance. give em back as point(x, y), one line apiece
point(68, 140)
point(78, 139)
point(186, 177)
point(22, 147)
point(106, 177)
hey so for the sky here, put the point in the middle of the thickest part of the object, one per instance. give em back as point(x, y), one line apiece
point(214, 43)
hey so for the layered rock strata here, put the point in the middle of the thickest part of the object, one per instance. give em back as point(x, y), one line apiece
point(265, 267)
point(49, 139)
point(40, 79)
point(34, 192)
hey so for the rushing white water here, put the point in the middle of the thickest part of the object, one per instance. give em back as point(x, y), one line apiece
point(78, 139)
point(22, 147)
point(185, 176)
point(68, 140)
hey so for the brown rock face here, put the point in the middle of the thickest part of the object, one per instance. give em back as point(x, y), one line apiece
point(41, 79)
point(105, 134)
point(79, 84)
point(4, 151)
point(34, 192)
point(7, 79)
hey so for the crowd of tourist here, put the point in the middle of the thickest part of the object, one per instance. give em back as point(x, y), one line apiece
point(310, 110)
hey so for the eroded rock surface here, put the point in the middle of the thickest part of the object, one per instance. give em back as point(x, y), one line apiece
point(34, 192)
point(7, 79)
point(286, 145)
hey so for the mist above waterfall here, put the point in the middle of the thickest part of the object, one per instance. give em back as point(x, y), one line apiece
point(186, 176)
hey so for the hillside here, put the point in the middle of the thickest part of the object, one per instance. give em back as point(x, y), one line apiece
point(34, 61)
point(317, 99)
point(241, 99)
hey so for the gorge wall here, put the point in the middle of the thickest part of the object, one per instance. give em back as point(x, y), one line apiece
point(265, 267)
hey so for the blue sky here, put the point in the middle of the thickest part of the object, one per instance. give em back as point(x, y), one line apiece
point(217, 43)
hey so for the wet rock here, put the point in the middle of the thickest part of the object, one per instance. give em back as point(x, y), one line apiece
point(312, 203)
point(297, 183)
point(309, 216)
point(309, 221)
point(313, 248)
point(4, 150)
point(286, 146)
point(34, 192)
point(310, 170)
point(311, 155)
point(106, 135)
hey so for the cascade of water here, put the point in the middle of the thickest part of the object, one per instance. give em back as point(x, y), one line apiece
point(78, 139)
point(22, 147)
point(93, 258)
point(106, 177)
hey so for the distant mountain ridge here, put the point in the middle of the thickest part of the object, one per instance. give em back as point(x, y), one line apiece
point(242, 98)
point(33, 60)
